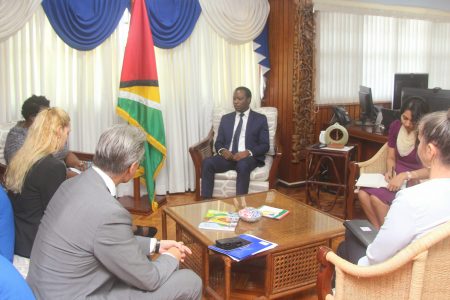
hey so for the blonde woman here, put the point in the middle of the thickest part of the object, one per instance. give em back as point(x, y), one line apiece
point(34, 174)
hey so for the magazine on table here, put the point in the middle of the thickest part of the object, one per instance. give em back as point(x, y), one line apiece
point(273, 212)
point(256, 245)
point(220, 220)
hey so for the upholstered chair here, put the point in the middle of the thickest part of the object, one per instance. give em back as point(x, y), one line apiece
point(261, 179)
point(376, 164)
point(419, 271)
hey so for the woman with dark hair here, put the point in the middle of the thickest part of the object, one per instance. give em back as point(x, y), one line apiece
point(402, 163)
point(16, 136)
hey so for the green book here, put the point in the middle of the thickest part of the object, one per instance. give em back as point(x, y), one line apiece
point(273, 212)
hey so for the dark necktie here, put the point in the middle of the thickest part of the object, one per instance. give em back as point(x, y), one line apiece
point(237, 135)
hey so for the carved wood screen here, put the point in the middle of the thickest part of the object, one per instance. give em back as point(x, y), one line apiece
point(303, 80)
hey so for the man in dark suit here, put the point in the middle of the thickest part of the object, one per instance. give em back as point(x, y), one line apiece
point(241, 145)
point(85, 247)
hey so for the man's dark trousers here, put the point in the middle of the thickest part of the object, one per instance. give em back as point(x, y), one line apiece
point(218, 164)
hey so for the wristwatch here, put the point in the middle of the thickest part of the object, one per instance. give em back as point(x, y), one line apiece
point(157, 247)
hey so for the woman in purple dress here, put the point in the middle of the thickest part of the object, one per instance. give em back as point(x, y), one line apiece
point(402, 162)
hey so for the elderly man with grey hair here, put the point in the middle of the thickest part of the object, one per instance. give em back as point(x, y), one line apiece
point(85, 247)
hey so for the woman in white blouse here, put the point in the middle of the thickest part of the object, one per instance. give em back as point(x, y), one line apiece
point(417, 209)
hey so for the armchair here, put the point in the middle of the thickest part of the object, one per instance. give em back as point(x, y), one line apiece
point(376, 164)
point(419, 271)
point(261, 179)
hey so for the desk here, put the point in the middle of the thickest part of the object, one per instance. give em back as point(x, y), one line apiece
point(315, 158)
point(287, 269)
point(369, 139)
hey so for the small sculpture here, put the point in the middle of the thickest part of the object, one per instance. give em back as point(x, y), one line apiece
point(340, 135)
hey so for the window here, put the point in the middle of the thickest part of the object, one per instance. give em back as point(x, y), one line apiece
point(359, 49)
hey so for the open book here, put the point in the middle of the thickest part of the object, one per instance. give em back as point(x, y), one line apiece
point(373, 180)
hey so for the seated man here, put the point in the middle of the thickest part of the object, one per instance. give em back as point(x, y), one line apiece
point(17, 134)
point(241, 144)
point(85, 247)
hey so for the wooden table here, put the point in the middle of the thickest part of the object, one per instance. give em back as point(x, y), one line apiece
point(287, 269)
point(317, 157)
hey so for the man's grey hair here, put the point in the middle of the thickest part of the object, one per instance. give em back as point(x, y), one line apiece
point(118, 148)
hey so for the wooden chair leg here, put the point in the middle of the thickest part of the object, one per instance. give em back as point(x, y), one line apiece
point(136, 190)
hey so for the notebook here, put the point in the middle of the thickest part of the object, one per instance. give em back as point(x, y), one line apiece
point(363, 230)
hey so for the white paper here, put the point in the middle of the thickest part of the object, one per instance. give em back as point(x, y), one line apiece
point(344, 149)
point(364, 228)
point(373, 180)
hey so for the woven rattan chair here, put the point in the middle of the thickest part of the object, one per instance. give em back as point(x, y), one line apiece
point(419, 271)
point(261, 179)
point(376, 164)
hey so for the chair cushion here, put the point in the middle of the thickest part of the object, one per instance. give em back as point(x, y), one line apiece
point(4, 129)
point(258, 174)
point(22, 264)
point(270, 112)
point(227, 188)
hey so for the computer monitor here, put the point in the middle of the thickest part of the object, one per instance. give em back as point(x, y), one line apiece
point(367, 110)
point(437, 99)
point(417, 80)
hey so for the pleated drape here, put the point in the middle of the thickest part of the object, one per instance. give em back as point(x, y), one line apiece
point(14, 15)
point(237, 21)
point(172, 21)
point(84, 24)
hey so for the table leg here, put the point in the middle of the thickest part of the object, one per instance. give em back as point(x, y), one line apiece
point(164, 224)
point(227, 275)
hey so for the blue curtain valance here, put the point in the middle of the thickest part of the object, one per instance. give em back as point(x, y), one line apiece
point(172, 21)
point(84, 24)
point(262, 48)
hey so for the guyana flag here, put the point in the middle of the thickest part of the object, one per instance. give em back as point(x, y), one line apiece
point(139, 102)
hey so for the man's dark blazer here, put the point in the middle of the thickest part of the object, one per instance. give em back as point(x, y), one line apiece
point(256, 134)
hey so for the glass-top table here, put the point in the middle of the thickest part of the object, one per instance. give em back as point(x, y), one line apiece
point(287, 269)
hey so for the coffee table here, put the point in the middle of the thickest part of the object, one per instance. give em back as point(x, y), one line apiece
point(287, 269)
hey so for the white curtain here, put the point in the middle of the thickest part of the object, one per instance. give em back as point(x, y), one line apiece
point(194, 78)
point(237, 21)
point(14, 14)
point(358, 49)
point(85, 84)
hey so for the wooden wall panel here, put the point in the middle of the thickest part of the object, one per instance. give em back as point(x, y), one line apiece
point(279, 85)
point(279, 91)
